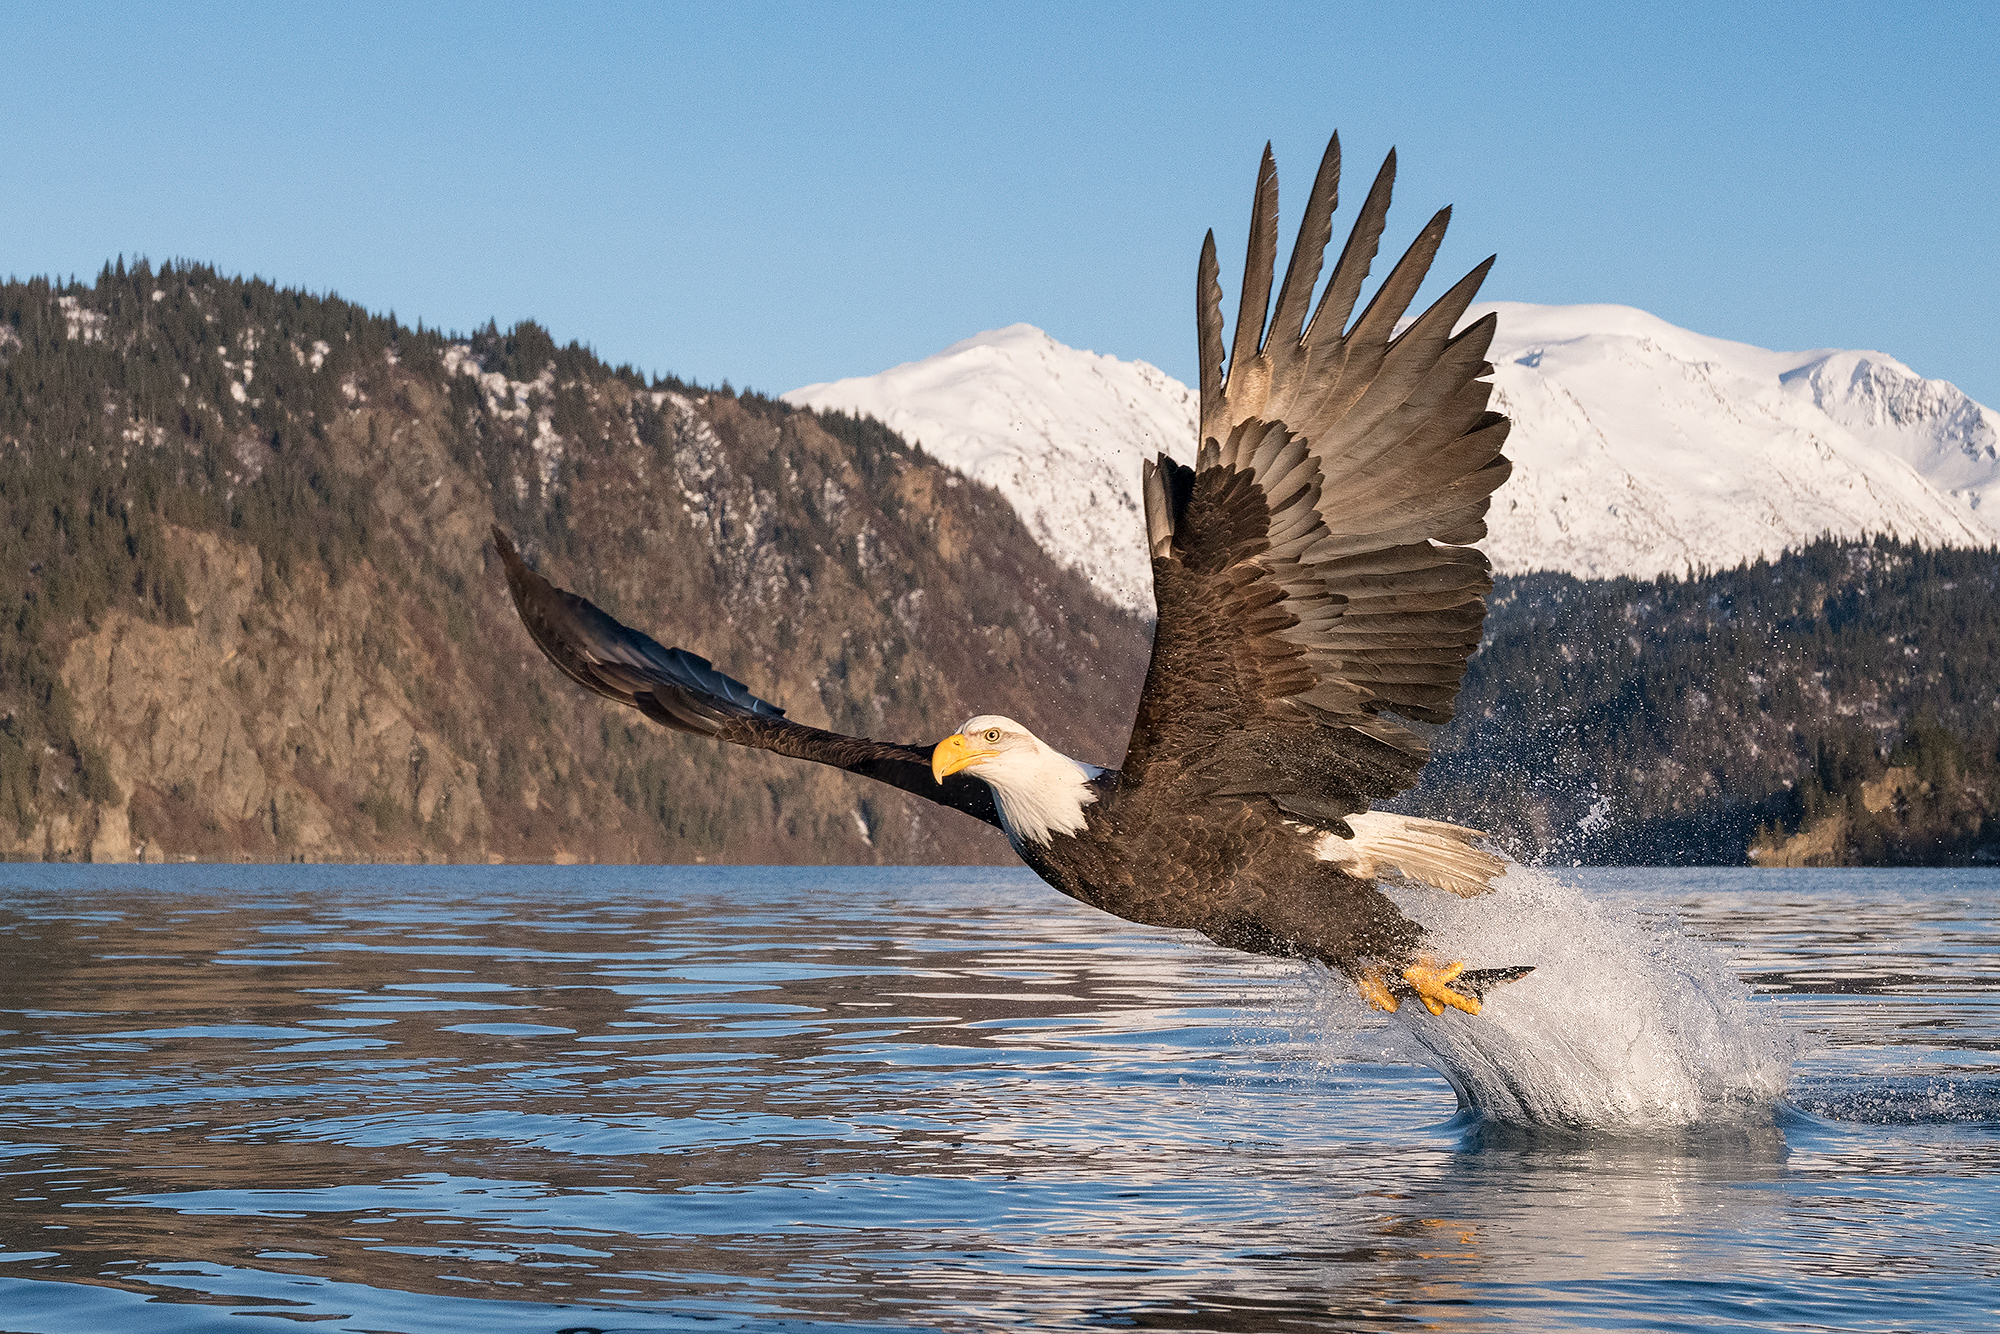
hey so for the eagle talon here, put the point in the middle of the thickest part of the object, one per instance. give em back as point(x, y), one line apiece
point(1374, 987)
point(1428, 978)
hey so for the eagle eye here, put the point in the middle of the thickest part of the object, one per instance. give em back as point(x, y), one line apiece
point(993, 734)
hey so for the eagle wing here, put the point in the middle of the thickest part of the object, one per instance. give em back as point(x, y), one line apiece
point(682, 690)
point(1313, 571)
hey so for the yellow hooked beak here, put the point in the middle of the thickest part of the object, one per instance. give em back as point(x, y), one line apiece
point(953, 753)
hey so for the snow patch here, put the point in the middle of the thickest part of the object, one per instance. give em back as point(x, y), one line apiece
point(82, 322)
point(511, 400)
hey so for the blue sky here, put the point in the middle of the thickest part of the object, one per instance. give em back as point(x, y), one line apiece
point(778, 194)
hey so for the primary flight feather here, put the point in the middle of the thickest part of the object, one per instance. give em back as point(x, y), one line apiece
point(1316, 583)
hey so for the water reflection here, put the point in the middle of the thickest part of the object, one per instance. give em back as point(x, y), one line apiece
point(544, 1099)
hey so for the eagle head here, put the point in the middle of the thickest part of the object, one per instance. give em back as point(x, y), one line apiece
point(1040, 791)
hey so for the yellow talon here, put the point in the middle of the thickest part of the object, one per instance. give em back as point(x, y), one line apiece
point(1429, 978)
point(1375, 990)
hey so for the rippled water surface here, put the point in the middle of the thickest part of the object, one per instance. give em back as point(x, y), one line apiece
point(542, 1099)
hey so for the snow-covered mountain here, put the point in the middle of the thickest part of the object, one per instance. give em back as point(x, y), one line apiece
point(1059, 432)
point(1952, 440)
point(1639, 448)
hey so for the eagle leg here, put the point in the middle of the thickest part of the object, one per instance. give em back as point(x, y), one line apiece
point(1429, 978)
point(1373, 983)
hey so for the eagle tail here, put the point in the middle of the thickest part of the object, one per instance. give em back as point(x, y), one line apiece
point(1432, 852)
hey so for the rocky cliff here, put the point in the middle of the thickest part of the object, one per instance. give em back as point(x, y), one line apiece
point(254, 614)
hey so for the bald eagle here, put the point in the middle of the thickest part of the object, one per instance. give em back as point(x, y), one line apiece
point(1316, 583)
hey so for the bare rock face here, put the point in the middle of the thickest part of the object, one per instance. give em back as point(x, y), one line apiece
point(277, 630)
point(263, 722)
point(1823, 842)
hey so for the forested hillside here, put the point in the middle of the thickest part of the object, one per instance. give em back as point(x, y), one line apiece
point(248, 607)
point(1848, 693)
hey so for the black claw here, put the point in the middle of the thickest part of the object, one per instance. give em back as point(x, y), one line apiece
point(1482, 980)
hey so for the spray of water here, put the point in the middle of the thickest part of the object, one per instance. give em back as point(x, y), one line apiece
point(1623, 1025)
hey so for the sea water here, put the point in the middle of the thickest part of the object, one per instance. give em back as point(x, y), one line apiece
point(545, 1099)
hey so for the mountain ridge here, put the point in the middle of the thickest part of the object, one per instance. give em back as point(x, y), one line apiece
point(1640, 448)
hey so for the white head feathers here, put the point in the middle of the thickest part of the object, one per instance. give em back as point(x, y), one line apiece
point(1040, 791)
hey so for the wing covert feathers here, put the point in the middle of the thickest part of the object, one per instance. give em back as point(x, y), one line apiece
point(685, 692)
point(1314, 572)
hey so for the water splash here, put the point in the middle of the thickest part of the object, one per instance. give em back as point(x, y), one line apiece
point(1623, 1025)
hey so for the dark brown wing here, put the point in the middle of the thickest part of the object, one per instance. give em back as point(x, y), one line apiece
point(1311, 570)
point(678, 689)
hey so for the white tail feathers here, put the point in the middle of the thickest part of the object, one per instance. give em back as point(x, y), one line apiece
point(1438, 854)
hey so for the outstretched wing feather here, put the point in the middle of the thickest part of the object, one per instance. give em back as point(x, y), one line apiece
point(1311, 571)
point(1255, 303)
point(1302, 274)
point(684, 691)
